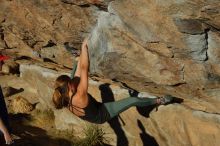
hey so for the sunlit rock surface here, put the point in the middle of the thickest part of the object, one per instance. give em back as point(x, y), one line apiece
point(156, 46)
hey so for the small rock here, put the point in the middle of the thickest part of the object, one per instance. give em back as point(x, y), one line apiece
point(21, 105)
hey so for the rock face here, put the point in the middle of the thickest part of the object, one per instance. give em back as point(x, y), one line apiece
point(39, 31)
point(163, 42)
point(190, 120)
point(156, 46)
point(164, 47)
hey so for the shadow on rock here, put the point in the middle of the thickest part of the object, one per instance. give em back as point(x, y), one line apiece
point(108, 96)
point(177, 100)
point(30, 135)
point(147, 139)
point(9, 91)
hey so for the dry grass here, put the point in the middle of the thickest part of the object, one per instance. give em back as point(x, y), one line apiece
point(94, 136)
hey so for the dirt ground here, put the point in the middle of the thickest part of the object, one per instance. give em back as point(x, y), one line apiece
point(27, 132)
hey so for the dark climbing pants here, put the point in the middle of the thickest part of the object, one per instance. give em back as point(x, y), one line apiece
point(116, 107)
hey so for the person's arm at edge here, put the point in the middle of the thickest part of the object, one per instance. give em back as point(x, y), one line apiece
point(4, 130)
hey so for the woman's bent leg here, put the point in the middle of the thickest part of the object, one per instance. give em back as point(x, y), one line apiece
point(116, 107)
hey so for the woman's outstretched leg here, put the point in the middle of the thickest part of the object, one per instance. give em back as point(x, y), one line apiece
point(116, 107)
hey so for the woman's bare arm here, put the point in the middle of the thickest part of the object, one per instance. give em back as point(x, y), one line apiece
point(84, 67)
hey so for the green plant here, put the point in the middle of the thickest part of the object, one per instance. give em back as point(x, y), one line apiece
point(94, 136)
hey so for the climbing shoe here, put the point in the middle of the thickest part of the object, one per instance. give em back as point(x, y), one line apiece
point(165, 99)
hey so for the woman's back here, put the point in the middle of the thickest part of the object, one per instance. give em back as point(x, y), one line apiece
point(94, 111)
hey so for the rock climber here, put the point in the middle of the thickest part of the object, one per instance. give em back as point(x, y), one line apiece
point(71, 92)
